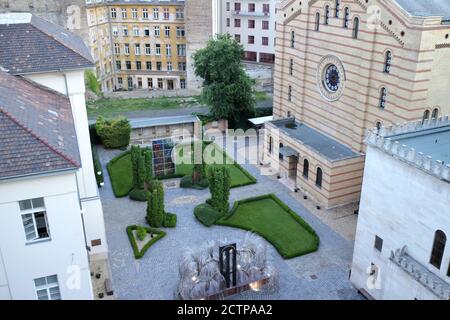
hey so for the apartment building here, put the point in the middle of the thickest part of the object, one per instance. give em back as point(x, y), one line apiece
point(52, 217)
point(138, 44)
point(343, 67)
point(401, 246)
point(252, 23)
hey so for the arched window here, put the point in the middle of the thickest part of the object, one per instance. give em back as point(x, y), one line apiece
point(292, 39)
point(327, 15)
point(355, 28)
point(319, 175)
point(346, 17)
point(305, 168)
point(270, 144)
point(438, 248)
point(435, 113)
point(383, 98)
point(338, 8)
point(317, 26)
point(426, 116)
point(388, 61)
point(378, 126)
point(280, 155)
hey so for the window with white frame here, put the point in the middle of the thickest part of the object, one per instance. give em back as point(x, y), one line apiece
point(136, 31)
point(169, 66)
point(117, 49)
point(125, 31)
point(156, 31)
point(148, 49)
point(126, 48)
point(167, 31)
point(115, 31)
point(181, 50)
point(145, 13)
point(166, 14)
point(134, 13)
point(113, 13)
point(158, 49)
point(146, 32)
point(47, 288)
point(168, 50)
point(156, 13)
point(179, 13)
point(34, 218)
point(181, 32)
point(124, 13)
point(137, 49)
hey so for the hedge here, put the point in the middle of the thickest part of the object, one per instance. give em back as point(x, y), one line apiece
point(138, 195)
point(97, 168)
point(95, 139)
point(114, 133)
point(139, 254)
point(114, 185)
point(186, 182)
point(170, 220)
point(206, 214)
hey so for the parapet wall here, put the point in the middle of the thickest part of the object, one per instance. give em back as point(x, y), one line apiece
point(383, 139)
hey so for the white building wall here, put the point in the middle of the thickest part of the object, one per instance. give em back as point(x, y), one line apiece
point(405, 207)
point(71, 83)
point(244, 31)
point(64, 254)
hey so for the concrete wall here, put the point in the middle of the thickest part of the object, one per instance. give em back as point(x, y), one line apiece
point(24, 262)
point(199, 29)
point(405, 207)
point(66, 13)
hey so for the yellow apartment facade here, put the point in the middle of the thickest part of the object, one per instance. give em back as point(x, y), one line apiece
point(343, 67)
point(138, 44)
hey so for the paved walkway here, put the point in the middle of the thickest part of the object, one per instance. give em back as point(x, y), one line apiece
point(320, 275)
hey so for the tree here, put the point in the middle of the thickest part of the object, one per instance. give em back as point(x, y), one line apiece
point(148, 166)
point(219, 187)
point(227, 89)
point(155, 206)
point(135, 155)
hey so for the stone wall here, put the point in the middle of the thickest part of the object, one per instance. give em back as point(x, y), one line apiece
point(70, 14)
point(198, 17)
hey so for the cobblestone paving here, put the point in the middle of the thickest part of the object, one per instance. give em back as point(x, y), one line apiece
point(320, 275)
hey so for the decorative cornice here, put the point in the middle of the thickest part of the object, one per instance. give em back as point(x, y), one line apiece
point(383, 140)
point(420, 273)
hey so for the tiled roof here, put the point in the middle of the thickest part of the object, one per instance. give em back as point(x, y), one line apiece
point(29, 44)
point(37, 132)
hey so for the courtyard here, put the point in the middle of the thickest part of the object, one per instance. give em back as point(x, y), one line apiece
point(319, 275)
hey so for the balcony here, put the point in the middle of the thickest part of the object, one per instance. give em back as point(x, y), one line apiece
point(421, 274)
point(251, 13)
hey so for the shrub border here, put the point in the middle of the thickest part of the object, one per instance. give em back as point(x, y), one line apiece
point(223, 221)
point(139, 254)
point(108, 167)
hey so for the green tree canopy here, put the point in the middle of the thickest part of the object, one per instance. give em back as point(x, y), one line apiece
point(227, 89)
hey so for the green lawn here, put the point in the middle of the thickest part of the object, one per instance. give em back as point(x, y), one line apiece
point(120, 172)
point(112, 107)
point(269, 217)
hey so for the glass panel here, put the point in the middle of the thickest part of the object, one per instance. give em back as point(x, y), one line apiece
point(38, 203)
point(52, 279)
point(40, 282)
point(54, 293)
point(42, 294)
point(41, 224)
point(25, 205)
point(28, 225)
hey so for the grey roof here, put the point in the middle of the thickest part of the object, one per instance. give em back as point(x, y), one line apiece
point(434, 142)
point(141, 2)
point(37, 132)
point(288, 151)
point(320, 143)
point(153, 122)
point(29, 44)
point(426, 8)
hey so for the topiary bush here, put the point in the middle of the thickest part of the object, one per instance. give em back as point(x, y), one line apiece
point(138, 195)
point(141, 232)
point(219, 187)
point(206, 214)
point(186, 182)
point(170, 220)
point(114, 133)
point(155, 206)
